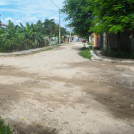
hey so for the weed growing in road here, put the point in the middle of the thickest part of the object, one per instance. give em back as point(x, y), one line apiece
point(4, 129)
point(92, 47)
point(48, 49)
point(89, 44)
point(114, 62)
point(85, 53)
point(84, 45)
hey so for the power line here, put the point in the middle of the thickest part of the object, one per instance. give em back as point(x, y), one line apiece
point(57, 7)
point(45, 3)
point(41, 6)
point(62, 15)
point(55, 4)
point(49, 3)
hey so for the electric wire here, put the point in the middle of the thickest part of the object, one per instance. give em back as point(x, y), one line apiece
point(45, 3)
point(41, 6)
point(57, 7)
point(55, 4)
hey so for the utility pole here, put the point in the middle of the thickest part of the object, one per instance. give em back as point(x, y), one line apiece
point(59, 27)
point(70, 35)
point(59, 20)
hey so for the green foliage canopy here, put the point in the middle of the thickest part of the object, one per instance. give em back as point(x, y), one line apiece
point(112, 16)
point(79, 15)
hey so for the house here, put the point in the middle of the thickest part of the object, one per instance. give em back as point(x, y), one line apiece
point(92, 39)
point(54, 41)
point(67, 38)
point(4, 25)
point(75, 39)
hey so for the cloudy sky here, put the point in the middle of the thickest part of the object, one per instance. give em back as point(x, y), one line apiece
point(30, 11)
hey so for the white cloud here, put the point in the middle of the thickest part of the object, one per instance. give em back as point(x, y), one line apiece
point(3, 3)
point(7, 19)
point(19, 21)
point(31, 7)
point(30, 11)
point(29, 18)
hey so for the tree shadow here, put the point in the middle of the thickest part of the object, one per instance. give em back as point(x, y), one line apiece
point(35, 128)
point(77, 48)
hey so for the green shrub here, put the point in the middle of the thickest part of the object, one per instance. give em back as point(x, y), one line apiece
point(84, 45)
point(89, 44)
point(4, 129)
point(117, 54)
point(85, 53)
point(20, 38)
point(103, 49)
point(92, 47)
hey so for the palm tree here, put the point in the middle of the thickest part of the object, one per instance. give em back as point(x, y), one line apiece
point(49, 26)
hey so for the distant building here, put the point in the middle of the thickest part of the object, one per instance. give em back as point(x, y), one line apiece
point(4, 25)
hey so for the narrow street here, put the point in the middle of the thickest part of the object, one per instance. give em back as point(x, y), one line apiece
point(60, 92)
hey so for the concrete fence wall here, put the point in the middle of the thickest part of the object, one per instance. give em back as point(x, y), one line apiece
point(53, 41)
point(111, 41)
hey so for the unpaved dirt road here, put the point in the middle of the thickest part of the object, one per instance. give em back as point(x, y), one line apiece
point(59, 92)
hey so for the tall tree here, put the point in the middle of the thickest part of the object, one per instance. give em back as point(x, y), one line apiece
point(80, 18)
point(49, 26)
point(112, 15)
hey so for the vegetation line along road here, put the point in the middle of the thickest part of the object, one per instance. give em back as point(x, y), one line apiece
point(20, 53)
point(16, 38)
point(107, 24)
point(4, 129)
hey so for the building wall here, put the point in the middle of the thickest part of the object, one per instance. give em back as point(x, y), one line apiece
point(112, 41)
point(132, 43)
point(104, 42)
point(126, 41)
point(92, 39)
point(66, 40)
point(54, 41)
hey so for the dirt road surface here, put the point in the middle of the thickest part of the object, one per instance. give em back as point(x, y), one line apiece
point(59, 92)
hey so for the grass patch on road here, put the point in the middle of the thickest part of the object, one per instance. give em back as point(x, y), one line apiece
point(90, 44)
point(85, 53)
point(51, 48)
point(4, 129)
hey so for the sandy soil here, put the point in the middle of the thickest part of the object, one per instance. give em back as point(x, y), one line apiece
point(59, 92)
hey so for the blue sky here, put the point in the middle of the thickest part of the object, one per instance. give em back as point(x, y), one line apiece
point(30, 11)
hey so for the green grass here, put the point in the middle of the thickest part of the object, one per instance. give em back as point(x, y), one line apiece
point(4, 129)
point(85, 53)
point(89, 44)
point(46, 48)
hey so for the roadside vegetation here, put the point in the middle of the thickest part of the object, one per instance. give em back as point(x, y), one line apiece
point(4, 129)
point(99, 16)
point(90, 44)
point(46, 48)
point(117, 54)
point(85, 53)
point(19, 37)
